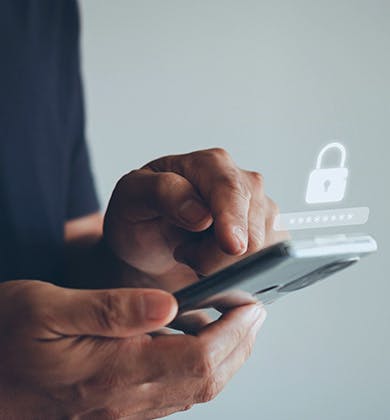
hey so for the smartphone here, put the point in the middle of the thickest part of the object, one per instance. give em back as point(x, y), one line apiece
point(275, 271)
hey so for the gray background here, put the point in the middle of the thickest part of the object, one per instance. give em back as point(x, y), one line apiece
point(271, 81)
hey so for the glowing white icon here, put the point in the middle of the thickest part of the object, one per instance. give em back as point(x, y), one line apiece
point(327, 185)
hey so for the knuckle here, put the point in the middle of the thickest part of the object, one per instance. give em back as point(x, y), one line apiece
point(109, 311)
point(203, 365)
point(257, 178)
point(219, 152)
point(186, 407)
point(204, 159)
point(208, 391)
point(165, 182)
point(237, 335)
point(233, 182)
point(215, 155)
point(243, 191)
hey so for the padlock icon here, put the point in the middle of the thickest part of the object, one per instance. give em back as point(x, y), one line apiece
point(327, 185)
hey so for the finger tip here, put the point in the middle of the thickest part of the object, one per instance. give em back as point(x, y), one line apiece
point(162, 306)
point(174, 307)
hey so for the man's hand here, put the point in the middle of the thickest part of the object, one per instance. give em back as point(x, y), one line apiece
point(86, 354)
point(185, 215)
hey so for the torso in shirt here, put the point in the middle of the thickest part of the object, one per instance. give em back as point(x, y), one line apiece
point(40, 122)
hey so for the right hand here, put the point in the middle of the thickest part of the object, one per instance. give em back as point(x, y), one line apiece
point(187, 215)
point(87, 354)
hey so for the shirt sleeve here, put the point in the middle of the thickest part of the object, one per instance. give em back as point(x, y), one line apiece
point(81, 192)
point(82, 197)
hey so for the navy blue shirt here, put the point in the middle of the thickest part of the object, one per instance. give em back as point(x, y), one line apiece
point(45, 176)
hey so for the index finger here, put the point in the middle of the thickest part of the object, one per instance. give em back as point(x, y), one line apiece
point(225, 334)
point(223, 187)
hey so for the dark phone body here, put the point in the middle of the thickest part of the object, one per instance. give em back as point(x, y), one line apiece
point(276, 271)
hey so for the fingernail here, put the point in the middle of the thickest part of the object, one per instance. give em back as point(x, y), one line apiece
point(156, 306)
point(191, 211)
point(241, 238)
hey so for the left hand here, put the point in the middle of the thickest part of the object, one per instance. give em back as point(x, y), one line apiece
point(185, 215)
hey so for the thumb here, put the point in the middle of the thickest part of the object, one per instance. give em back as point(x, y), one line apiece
point(116, 313)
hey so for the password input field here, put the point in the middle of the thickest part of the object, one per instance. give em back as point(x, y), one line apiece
point(321, 218)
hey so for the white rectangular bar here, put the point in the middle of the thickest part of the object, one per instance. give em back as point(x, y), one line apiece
point(321, 219)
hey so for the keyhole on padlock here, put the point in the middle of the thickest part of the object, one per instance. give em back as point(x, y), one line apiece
point(326, 185)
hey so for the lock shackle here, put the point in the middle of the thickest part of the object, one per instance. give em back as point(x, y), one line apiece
point(334, 145)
